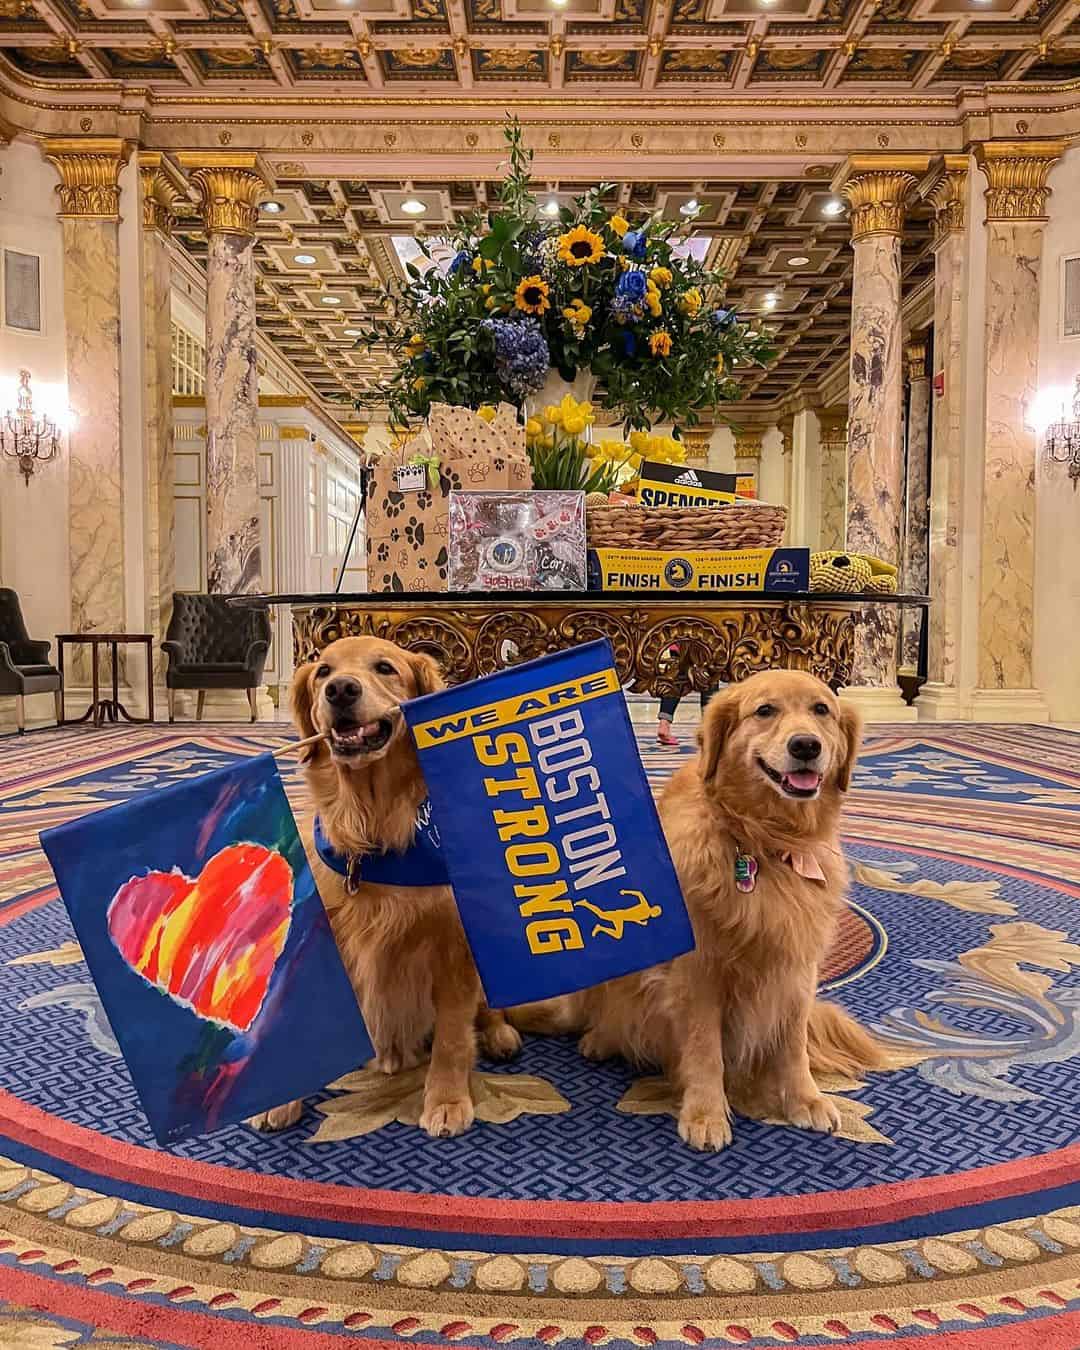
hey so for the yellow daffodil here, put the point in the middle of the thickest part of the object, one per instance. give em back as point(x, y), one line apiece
point(619, 225)
point(690, 301)
point(660, 276)
point(416, 344)
point(660, 344)
point(580, 246)
point(531, 296)
point(487, 412)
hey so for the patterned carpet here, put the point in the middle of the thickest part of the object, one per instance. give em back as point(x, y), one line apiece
point(947, 1213)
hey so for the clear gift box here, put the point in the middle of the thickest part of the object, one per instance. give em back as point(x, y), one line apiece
point(517, 541)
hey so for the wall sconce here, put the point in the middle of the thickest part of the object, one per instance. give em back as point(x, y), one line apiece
point(1062, 438)
point(24, 437)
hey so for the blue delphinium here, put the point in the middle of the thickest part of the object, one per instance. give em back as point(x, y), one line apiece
point(633, 244)
point(722, 319)
point(522, 359)
point(461, 259)
point(631, 285)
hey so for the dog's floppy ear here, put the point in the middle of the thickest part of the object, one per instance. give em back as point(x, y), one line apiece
point(427, 677)
point(717, 725)
point(851, 730)
point(300, 700)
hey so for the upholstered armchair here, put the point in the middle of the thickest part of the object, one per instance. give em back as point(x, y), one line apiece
point(214, 645)
point(25, 665)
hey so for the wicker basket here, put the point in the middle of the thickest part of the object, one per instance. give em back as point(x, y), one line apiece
point(678, 529)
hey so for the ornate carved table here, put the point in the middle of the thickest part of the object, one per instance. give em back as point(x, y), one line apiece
point(718, 639)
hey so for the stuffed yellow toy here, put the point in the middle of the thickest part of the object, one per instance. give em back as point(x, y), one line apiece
point(841, 573)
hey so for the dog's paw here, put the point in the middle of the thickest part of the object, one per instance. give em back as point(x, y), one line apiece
point(500, 1040)
point(596, 1047)
point(442, 1120)
point(814, 1113)
point(278, 1118)
point(707, 1133)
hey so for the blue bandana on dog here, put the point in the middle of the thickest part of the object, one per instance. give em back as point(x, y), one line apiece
point(420, 865)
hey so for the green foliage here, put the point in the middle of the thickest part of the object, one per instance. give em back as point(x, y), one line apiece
point(435, 325)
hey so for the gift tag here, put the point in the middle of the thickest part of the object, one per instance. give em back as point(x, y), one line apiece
point(410, 477)
point(745, 871)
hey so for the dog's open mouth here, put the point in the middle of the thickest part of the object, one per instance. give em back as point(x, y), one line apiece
point(361, 738)
point(794, 783)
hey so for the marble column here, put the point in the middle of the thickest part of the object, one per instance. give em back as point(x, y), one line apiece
point(160, 193)
point(786, 427)
point(89, 192)
point(748, 441)
point(230, 186)
point(945, 187)
point(914, 571)
point(876, 187)
point(1015, 218)
point(833, 526)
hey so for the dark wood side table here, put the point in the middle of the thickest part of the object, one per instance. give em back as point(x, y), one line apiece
point(106, 709)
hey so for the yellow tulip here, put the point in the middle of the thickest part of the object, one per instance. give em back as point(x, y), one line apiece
point(574, 425)
point(552, 414)
point(533, 427)
point(487, 412)
point(639, 441)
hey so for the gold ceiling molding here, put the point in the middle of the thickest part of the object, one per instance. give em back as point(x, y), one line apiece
point(1017, 172)
point(161, 190)
point(945, 188)
point(229, 184)
point(748, 442)
point(877, 186)
point(915, 360)
point(89, 169)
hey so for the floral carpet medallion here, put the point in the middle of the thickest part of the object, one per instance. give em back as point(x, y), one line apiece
point(946, 1212)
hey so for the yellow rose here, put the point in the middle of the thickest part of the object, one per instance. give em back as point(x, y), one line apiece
point(619, 225)
point(690, 302)
point(487, 412)
point(652, 300)
point(660, 276)
point(660, 344)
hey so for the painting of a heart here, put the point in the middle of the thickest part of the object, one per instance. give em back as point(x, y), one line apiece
point(209, 942)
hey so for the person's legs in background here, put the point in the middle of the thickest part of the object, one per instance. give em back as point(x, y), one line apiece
point(668, 706)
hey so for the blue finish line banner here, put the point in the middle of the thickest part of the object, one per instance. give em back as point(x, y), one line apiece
point(560, 869)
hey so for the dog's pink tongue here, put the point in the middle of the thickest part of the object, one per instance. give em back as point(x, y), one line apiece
point(803, 779)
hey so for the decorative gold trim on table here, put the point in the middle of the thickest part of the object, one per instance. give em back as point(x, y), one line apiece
point(1017, 172)
point(230, 185)
point(89, 169)
point(718, 642)
point(945, 188)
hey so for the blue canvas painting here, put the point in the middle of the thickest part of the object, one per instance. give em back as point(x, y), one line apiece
point(200, 922)
point(558, 863)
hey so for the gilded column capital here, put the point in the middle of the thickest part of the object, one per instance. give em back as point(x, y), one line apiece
point(696, 440)
point(915, 360)
point(945, 188)
point(89, 169)
point(786, 427)
point(161, 191)
point(876, 187)
point(1016, 172)
point(229, 185)
point(748, 442)
point(832, 430)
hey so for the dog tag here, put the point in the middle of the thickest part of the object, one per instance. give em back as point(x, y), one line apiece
point(745, 872)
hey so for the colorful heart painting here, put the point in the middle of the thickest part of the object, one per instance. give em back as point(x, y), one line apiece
point(200, 922)
point(210, 943)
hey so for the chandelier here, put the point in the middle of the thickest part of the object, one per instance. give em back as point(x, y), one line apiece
point(1063, 439)
point(27, 439)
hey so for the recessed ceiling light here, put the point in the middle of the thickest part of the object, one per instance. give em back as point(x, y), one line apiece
point(272, 208)
point(800, 261)
point(551, 207)
point(769, 302)
point(832, 207)
point(304, 259)
point(413, 206)
point(560, 4)
point(352, 332)
point(690, 208)
point(331, 300)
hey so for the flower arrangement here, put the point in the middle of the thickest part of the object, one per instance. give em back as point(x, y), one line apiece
point(589, 290)
point(562, 457)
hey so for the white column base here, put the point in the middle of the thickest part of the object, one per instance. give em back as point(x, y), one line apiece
point(1009, 705)
point(878, 703)
point(943, 703)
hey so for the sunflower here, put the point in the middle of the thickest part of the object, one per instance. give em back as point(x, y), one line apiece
point(660, 344)
point(531, 296)
point(580, 247)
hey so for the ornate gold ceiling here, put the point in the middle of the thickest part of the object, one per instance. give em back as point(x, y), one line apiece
point(561, 46)
point(324, 253)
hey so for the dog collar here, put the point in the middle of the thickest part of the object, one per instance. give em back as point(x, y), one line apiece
point(421, 864)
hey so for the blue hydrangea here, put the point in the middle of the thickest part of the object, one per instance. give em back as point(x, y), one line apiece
point(722, 319)
point(632, 285)
point(522, 359)
point(633, 244)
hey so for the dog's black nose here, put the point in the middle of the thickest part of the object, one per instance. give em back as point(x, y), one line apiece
point(342, 691)
point(804, 747)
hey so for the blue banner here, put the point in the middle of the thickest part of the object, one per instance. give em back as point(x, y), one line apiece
point(560, 869)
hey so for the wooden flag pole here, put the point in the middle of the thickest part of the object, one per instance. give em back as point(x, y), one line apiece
point(320, 736)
